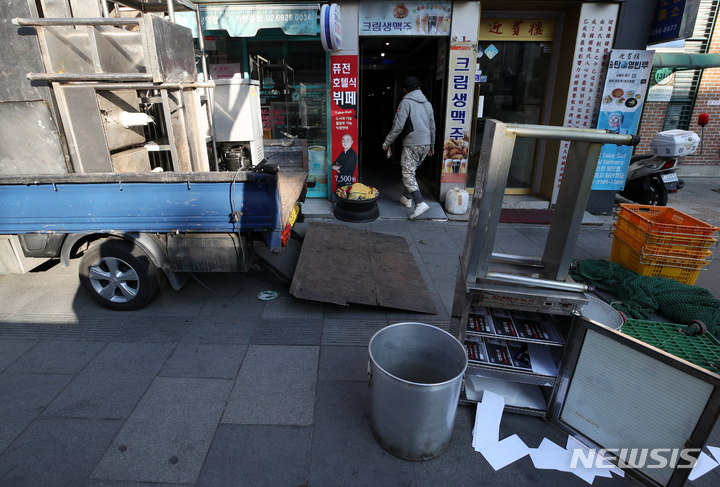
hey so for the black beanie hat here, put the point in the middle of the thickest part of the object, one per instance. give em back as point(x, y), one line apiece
point(411, 83)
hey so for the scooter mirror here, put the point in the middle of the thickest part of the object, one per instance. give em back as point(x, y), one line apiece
point(703, 119)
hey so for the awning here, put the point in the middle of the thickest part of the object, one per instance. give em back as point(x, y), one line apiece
point(686, 61)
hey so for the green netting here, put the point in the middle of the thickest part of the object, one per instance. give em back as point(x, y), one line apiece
point(638, 296)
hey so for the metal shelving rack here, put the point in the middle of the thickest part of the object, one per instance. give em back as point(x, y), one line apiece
point(527, 283)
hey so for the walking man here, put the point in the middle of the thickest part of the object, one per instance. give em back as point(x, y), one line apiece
point(415, 124)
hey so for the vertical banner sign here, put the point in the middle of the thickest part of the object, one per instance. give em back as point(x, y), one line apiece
point(343, 120)
point(458, 118)
point(622, 99)
point(592, 50)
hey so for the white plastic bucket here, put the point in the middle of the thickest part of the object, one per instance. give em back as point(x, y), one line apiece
point(456, 201)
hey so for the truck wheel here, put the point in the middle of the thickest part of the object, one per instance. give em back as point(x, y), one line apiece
point(118, 275)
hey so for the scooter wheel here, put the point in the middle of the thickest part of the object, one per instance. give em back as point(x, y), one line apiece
point(680, 184)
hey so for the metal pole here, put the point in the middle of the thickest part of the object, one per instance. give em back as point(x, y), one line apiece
point(147, 86)
point(106, 12)
point(171, 10)
point(543, 283)
point(89, 77)
point(209, 93)
point(74, 22)
point(518, 259)
point(572, 134)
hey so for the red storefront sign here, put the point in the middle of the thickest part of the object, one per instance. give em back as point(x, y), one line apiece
point(343, 119)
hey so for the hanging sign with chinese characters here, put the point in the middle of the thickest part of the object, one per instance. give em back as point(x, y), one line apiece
point(622, 101)
point(596, 31)
point(244, 21)
point(458, 117)
point(405, 19)
point(343, 120)
point(536, 30)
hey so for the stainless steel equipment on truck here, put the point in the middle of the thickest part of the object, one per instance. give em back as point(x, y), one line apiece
point(108, 149)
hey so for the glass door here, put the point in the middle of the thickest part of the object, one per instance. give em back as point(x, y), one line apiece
point(512, 88)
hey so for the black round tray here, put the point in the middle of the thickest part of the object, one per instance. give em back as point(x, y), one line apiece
point(356, 205)
point(356, 216)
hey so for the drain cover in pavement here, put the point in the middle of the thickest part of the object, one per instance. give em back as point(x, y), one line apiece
point(267, 295)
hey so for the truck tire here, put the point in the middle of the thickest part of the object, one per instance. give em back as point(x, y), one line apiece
point(118, 275)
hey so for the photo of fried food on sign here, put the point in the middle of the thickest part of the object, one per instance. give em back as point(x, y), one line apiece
point(400, 11)
point(455, 154)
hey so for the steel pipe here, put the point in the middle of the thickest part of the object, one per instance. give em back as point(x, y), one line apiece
point(74, 22)
point(89, 77)
point(594, 136)
point(531, 281)
point(148, 86)
point(518, 259)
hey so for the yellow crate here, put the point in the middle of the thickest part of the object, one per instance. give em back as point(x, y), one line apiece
point(666, 220)
point(682, 270)
point(646, 247)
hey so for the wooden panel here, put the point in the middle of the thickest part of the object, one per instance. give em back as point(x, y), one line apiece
point(290, 185)
point(343, 265)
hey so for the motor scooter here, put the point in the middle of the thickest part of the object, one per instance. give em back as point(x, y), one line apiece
point(651, 177)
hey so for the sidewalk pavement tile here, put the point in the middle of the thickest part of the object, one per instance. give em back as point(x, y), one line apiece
point(168, 435)
point(275, 386)
point(57, 301)
point(441, 267)
point(245, 305)
point(57, 357)
point(236, 331)
point(351, 333)
point(11, 349)
point(344, 451)
point(186, 302)
point(104, 329)
point(257, 456)
point(344, 363)
point(288, 332)
point(23, 398)
point(151, 329)
point(56, 451)
point(204, 361)
point(292, 308)
point(353, 311)
point(113, 382)
point(400, 315)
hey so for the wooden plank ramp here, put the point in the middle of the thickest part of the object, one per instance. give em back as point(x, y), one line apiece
point(342, 265)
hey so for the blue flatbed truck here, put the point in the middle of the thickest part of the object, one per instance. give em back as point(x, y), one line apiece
point(110, 149)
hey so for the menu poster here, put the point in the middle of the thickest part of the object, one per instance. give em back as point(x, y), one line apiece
point(535, 326)
point(458, 117)
point(480, 321)
point(498, 352)
point(503, 323)
point(622, 100)
point(343, 119)
point(475, 350)
point(407, 18)
point(592, 51)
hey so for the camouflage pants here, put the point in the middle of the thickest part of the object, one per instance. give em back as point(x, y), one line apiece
point(411, 158)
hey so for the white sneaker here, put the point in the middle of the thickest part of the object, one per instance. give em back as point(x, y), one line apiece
point(421, 208)
point(406, 201)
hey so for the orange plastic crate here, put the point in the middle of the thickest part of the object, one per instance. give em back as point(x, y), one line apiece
point(666, 220)
point(649, 248)
point(681, 270)
point(673, 241)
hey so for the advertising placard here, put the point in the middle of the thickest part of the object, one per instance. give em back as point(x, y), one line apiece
point(407, 18)
point(343, 120)
point(458, 118)
point(592, 50)
point(244, 21)
point(622, 100)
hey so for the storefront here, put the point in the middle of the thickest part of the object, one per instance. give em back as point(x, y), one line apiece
point(519, 62)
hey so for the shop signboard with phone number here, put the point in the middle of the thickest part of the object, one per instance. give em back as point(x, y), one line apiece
point(241, 21)
point(622, 100)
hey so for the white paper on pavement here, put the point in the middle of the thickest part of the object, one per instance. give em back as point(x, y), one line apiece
point(505, 452)
point(704, 464)
point(715, 452)
point(487, 420)
point(550, 456)
point(573, 444)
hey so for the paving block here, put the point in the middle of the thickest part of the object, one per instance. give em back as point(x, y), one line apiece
point(56, 451)
point(13, 348)
point(275, 386)
point(113, 382)
point(168, 435)
point(57, 357)
point(344, 363)
point(257, 455)
point(204, 361)
point(220, 331)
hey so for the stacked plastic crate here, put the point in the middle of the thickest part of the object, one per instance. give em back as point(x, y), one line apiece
point(661, 241)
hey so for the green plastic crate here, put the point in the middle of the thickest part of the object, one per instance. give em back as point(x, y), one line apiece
point(703, 351)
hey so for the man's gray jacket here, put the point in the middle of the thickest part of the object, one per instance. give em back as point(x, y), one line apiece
point(415, 114)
